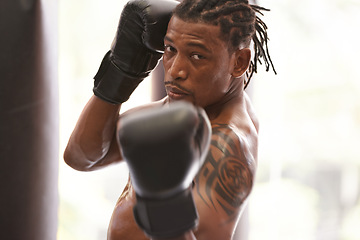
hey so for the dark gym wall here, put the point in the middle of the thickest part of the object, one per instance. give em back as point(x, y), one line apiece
point(28, 120)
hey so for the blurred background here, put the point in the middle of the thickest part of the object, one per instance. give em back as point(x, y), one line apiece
point(308, 179)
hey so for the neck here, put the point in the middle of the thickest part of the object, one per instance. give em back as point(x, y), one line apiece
point(235, 94)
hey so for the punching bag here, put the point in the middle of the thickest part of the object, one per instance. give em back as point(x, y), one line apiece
point(28, 120)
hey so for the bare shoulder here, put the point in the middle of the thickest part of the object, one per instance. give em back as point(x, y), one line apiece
point(224, 182)
point(228, 171)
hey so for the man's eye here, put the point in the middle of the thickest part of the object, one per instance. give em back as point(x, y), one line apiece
point(197, 56)
point(169, 48)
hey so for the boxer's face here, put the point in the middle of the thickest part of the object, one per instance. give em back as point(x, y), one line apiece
point(198, 66)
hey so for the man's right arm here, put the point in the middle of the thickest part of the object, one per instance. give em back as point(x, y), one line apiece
point(92, 143)
point(136, 49)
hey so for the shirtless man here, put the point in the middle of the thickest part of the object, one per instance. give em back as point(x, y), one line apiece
point(207, 62)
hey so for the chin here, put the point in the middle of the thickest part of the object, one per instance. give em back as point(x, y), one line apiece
point(183, 98)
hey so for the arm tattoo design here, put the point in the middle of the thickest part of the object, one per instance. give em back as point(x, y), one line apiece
point(226, 178)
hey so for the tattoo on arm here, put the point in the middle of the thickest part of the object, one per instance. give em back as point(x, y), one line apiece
point(226, 178)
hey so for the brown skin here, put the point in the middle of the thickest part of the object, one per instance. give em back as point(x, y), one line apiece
point(199, 69)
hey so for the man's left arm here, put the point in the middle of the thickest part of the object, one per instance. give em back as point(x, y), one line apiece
point(224, 183)
point(164, 149)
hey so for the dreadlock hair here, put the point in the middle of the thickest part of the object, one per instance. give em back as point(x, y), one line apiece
point(239, 24)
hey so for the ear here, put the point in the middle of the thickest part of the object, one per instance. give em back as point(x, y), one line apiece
point(241, 61)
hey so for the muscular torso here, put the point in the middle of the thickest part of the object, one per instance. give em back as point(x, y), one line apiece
point(221, 186)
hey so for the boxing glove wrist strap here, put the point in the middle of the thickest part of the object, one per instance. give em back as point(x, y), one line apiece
point(166, 218)
point(112, 84)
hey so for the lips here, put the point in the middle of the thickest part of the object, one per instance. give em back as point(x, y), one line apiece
point(175, 92)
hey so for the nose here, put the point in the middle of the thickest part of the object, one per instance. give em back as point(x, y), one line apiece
point(178, 70)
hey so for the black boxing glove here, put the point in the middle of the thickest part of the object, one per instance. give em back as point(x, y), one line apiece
point(164, 149)
point(136, 49)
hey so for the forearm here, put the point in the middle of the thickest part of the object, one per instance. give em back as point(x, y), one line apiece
point(93, 136)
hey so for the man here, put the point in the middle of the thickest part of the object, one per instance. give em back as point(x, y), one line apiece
point(207, 62)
